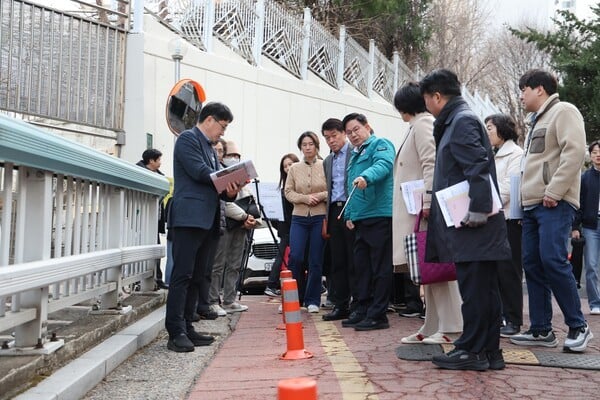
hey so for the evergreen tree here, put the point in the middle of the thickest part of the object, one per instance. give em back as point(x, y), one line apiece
point(575, 51)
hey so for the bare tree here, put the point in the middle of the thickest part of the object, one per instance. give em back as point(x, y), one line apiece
point(511, 58)
point(458, 31)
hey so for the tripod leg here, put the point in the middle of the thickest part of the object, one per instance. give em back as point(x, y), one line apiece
point(244, 262)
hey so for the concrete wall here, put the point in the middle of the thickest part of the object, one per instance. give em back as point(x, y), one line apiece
point(271, 107)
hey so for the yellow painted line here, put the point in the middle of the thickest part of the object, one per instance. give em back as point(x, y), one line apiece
point(354, 382)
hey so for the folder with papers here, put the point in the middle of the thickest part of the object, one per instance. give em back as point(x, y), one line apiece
point(454, 202)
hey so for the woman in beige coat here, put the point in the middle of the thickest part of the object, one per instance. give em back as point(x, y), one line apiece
point(415, 160)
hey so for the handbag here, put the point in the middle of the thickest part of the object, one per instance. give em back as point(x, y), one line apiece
point(422, 272)
point(248, 204)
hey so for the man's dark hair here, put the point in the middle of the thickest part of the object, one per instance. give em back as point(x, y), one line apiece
point(408, 99)
point(592, 145)
point(218, 111)
point(332, 124)
point(359, 117)
point(150, 154)
point(441, 81)
point(506, 128)
point(311, 135)
point(538, 77)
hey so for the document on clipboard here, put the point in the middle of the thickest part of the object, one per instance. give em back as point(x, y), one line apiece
point(454, 202)
point(239, 173)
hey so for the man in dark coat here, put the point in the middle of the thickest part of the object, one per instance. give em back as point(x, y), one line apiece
point(464, 153)
point(194, 218)
point(151, 160)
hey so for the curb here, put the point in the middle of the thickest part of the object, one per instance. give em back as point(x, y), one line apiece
point(74, 380)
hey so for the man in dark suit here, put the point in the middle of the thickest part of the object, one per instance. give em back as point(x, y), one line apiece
point(341, 277)
point(194, 218)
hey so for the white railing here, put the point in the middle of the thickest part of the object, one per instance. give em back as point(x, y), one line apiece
point(75, 225)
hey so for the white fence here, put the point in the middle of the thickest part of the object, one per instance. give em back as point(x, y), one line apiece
point(75, 225)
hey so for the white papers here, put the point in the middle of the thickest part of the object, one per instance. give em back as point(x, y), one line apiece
point(454, 202)
point(270, 199)
point(412, 193)
point(516, 211)
point(239, 173)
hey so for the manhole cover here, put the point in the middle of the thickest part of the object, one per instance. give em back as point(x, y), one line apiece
point(418, 352)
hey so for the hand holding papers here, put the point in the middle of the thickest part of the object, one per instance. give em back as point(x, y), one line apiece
point(454, 202)
point(239, 173)
point(412, 193)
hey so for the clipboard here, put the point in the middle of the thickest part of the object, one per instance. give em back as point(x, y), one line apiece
point(239, 173)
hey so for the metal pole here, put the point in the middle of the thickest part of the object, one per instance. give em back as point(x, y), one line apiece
point(177, 60)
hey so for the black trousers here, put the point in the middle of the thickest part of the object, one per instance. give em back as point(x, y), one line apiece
point(510, 276)
point(342, 276)
point(373, 263)
point(273, 281)
point(478, 285)
point(193, 255)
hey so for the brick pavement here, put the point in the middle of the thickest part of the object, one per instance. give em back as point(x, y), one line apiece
point(363, 365)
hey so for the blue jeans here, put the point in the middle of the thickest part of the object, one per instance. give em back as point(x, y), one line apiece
point(546, 233)
point(303, 230)
point(591, 255)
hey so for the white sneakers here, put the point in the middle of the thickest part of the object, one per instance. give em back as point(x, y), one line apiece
point(413, 339)
point(436, 338)
point(595, 311)
point(312, 308)
point(234, 307)
point(217, 308)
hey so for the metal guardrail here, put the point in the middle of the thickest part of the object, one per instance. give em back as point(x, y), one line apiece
point(75, 225)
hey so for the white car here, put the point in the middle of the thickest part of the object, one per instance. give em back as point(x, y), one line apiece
point(260, 260)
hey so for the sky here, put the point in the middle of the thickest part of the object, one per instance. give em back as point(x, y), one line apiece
point(515, 11)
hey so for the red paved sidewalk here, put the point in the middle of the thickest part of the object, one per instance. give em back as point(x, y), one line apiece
point(363, 365)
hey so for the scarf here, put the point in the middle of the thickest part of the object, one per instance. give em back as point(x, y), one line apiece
point(439, 125)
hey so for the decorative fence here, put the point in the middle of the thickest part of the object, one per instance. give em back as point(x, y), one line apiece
point(75, 225)
point(296, 43)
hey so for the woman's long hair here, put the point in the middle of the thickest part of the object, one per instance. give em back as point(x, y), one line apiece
point(282, 173)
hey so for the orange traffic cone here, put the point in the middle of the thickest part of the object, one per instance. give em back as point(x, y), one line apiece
point(297, 389)
point(285, 274)
point(293, 322)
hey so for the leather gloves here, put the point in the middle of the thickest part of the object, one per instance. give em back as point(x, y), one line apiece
point(474, 219)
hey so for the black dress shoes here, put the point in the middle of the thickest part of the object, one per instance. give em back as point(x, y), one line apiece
point(369, 324)
point(180, 344)
point(161, 284)
point(353, 319)
point(335, 314)
point(199, 340)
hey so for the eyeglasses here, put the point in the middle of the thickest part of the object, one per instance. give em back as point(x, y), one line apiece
point(353, 130)
point(220, 124)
